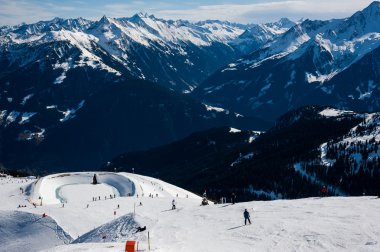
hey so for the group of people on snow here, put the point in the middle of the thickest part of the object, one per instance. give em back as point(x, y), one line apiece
point(105, 197)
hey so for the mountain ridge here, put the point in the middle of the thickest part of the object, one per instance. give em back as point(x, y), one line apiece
point(311, 59)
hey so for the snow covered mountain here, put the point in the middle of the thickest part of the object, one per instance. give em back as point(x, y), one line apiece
point(83, 224)
point(177, 54)
point(333, 62)
point(256, 35)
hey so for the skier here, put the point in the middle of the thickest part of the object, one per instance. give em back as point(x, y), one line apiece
point(140, 229)
point(324, 191)
point(173, 204)
point(204, 202)
point(233, 196)
point(246, 217)
point(204, 194)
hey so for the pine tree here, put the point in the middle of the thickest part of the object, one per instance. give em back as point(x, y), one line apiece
point(94, 180)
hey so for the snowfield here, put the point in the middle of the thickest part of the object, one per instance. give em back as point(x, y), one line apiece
point(82, 224)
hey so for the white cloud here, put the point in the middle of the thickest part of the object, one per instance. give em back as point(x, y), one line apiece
point(13, 12)
point(267, 11)
point(17, 11)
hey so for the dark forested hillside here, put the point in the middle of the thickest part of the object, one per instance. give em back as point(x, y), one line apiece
point(121, 116)
point(266, 166)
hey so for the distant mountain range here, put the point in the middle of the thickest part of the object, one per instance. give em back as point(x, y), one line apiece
point(177, 54)
point(334, 62)
point(308, 148)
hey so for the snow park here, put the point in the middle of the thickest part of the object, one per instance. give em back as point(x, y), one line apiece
point(69, 212)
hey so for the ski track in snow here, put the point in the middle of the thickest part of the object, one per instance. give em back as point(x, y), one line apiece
point(313, 224)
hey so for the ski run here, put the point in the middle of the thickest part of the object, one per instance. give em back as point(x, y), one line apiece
point(77, 215)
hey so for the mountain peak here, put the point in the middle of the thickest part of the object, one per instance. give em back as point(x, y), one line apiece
point(285, 21)
point(105, 20)
point(138, 17)
point(56, 20)
point(366, 20)
point(372, 9)
point(374, 4)
point(141, 15)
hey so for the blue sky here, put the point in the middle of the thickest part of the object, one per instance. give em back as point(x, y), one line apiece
point(244, 11)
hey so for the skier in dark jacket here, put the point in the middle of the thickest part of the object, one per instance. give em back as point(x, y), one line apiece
point(246, 217)
point(233, 197)
point(140, 229)
point(173, 204)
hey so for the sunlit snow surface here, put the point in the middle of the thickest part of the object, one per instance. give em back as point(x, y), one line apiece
point(331, 112)
point(313, 224)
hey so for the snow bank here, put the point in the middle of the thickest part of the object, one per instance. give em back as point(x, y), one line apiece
point(119, 230)
point(29, 232)
point(148, 185)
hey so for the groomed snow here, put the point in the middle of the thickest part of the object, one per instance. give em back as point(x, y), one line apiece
point(313, 224)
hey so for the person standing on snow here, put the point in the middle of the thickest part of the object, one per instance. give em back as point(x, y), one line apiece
point(233, 198)
point(204, 194)
point(173, 204)
point(246, 217)
point(324, 191)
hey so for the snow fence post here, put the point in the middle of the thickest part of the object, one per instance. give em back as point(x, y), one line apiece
point(148, 241)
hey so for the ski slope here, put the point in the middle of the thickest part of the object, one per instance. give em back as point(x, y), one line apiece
point(313, 224)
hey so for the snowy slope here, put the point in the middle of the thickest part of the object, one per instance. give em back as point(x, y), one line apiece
point(20, 230)
point(329, 224)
